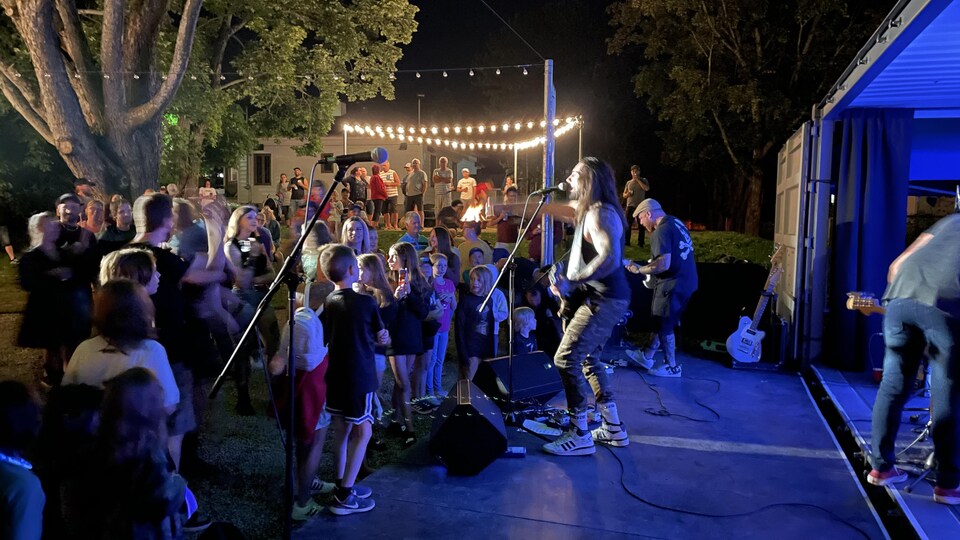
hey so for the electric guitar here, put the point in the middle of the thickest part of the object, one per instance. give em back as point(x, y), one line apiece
point(570, 299)
point(864, 302)
point(744, 344)
point(649, 280)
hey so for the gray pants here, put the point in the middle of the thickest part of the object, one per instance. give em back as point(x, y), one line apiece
point(441, 194)
point(578, 356)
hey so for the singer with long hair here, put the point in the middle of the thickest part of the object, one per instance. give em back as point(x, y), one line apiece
point(594, 268)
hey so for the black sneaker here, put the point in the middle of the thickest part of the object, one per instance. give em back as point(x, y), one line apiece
point(351, 505)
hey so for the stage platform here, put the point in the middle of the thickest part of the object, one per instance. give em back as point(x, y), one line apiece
point(768, 467)
point(851, 396)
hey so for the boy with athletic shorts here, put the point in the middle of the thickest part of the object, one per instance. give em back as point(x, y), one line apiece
point(351, 326)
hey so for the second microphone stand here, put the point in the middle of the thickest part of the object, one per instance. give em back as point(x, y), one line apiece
point(510, 267)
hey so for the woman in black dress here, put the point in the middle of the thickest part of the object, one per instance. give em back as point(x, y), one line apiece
point(407, 329)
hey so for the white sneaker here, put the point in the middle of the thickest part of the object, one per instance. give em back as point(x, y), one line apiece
point(613, 435)
point(640, 358)
point(666, 370)
point(571, 444)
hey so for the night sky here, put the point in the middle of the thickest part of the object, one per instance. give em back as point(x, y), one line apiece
point(465, 33)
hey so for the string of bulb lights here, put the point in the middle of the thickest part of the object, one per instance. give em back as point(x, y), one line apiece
point(523, 69)
point(430, 134)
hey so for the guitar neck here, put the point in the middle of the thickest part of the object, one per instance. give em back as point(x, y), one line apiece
point(761, 306)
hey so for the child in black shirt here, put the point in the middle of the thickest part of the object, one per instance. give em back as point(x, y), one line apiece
point(351, 326)
point(524, 323)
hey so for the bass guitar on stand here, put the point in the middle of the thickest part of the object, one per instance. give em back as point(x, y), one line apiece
point(744, 345)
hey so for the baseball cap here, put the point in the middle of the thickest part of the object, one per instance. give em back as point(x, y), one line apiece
point(68, 197)
point(407, 164)
point(647, 205)
point(464, 170)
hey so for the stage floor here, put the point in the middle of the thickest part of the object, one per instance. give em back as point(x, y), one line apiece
point(853, 394)
point(766, 459)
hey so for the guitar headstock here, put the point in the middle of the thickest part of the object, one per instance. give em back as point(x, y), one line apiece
point(776, 259)
point(864, 302)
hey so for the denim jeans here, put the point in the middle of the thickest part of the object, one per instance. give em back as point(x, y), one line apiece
point(910, 331)
point(435, 367)
point(578, 356)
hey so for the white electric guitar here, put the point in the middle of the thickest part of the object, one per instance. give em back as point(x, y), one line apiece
point(744, 344)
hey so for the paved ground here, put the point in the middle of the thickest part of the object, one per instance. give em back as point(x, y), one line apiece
point(768, 465)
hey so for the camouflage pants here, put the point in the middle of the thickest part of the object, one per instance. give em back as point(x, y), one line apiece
point(578, 357)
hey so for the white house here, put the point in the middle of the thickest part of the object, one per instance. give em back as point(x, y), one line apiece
point(256, 176)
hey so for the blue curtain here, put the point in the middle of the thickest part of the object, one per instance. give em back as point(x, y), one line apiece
point(871, 213)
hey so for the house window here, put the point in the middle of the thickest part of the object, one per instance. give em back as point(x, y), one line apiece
point(326, 167)
point(261, 170)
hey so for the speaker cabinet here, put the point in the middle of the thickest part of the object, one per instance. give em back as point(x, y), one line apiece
point(534, 378)
point(468, 431)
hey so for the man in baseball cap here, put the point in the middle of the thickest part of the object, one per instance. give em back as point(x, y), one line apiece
point(676, 270)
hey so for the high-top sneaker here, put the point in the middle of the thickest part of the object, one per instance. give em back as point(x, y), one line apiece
point(611, 430)
point(576, 441)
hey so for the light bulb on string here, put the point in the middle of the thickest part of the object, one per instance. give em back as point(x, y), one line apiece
point(506, 126)
point(433, 130)
point(446, 130)
point(471, 73)
point(469, 129)
point(524, 71)
point(529, 125)
point(418, 74)
point(498, 71)
point(445, 74)
point(517, 126)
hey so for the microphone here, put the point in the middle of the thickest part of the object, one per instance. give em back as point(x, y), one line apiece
point(561, 187)
point(377, 155)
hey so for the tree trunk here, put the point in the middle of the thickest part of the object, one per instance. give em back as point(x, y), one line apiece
point(752, 202)
point(124, 155)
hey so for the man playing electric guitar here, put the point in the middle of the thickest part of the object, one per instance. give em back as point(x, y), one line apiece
point(675, 270)
point(922, 317)
point(594, 260)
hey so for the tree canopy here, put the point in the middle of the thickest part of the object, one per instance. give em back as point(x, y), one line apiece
point(732, 79)
point(95, 80)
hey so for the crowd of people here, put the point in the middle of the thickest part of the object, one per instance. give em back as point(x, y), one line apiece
point(166, 285)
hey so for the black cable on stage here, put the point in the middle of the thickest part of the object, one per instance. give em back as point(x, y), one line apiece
point(663, 411)
point(623, 484)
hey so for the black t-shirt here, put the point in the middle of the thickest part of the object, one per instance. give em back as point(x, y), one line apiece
point(671, 236)
point(169, 303)
point(931, 274)
point(350, 323)
point(296, 192)
point(523, 345)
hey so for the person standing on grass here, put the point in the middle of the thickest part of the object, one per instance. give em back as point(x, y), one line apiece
point(283, 196)
point(445, 289)
point(416, 186)
point(410, 287)
point(634, 192)
point(378, 194)
point(392, 185)
point(312, 419)
point(442, 184)
point(351, 328)
point(121, 231)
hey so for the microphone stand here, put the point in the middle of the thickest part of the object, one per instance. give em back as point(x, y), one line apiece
point(511, 267)
point(286, 276)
